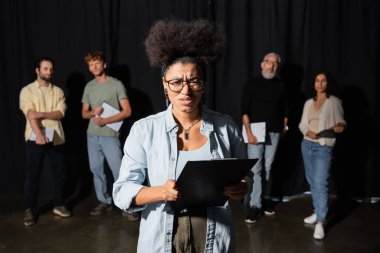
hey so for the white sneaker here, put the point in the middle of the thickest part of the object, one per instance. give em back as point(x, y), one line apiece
point(312, 219)
point(319, 232)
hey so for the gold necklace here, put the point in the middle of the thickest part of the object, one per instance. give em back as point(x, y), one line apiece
point(186, 131)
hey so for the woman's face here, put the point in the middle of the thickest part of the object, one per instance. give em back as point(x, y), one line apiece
point(188, 75)
point(320, 83)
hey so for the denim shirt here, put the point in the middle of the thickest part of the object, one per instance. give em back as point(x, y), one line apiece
point(150, 159)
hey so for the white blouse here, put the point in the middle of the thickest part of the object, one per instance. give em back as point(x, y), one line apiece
point(330, 114)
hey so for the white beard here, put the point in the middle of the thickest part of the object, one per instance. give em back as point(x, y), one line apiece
point(268, 75)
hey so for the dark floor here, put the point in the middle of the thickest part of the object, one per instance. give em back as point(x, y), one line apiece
point(353, 228)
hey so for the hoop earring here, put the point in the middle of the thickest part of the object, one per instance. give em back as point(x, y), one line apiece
point(203, 89)
point(166, 97)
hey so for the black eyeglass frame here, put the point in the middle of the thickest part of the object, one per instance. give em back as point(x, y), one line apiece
point(187, 82)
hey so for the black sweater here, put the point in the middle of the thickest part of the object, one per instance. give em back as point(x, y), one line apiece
point(264, 100)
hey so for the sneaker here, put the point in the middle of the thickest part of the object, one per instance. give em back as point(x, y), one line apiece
point(101, 209)
point(269, 211)
point(253, 215)
point(29, 217)
point(131, 216)
point(61, 211)
point(312, 219)
point(319, 232)
point(269, 208)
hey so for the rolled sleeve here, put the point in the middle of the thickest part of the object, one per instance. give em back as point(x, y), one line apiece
point(25, 102)
point(61, 104)
point(123, 195)
point(128, 185)
point(132, 173)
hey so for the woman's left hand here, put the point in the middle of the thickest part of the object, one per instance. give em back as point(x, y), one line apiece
point(338, 128)
point(236, 191)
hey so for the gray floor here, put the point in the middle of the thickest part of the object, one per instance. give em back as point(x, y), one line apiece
point(352, 228)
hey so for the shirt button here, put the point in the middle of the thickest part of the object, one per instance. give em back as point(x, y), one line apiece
point(173, 159)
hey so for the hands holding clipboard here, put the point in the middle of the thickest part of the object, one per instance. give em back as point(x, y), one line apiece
point(205, 183)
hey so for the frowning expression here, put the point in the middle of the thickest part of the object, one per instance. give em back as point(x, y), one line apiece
point(187, 99)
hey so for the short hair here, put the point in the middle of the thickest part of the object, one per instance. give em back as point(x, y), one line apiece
point(41, 59)
point(273, 54)
point(171, 41)
point(93, 56)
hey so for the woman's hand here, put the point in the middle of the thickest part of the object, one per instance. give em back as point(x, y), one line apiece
point(312, 135)
point(165, 192)
point(338, 128)
point(236, 191)
point(169, 191)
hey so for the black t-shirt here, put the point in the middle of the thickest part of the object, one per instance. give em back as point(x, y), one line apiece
point(264, 100)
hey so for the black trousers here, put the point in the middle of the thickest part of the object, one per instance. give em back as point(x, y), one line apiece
point(35, 155)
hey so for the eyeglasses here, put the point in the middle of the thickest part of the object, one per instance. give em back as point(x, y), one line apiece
point(176, 85)
point(274, 63)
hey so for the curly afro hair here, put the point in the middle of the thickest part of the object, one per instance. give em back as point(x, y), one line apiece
point(170, 40)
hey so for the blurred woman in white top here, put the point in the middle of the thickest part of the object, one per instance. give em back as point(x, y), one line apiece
point(322, 119)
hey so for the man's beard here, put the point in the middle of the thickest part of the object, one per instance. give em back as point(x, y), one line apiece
point(45, 78)
point(268, 75)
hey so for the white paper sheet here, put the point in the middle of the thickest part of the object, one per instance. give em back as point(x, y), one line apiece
point(258, 130)
point(48, 132)
point(109, 111)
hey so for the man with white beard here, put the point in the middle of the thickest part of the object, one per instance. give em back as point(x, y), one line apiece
point(263, 100)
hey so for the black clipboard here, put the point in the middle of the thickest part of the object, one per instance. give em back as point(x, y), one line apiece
point(327, 133)
point(202, 183)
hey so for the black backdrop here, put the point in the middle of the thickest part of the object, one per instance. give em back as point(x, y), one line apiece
point(341, 36)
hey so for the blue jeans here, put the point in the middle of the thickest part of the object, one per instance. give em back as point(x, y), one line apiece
point(262, 151)
point(317, 162)
point(98, 148)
